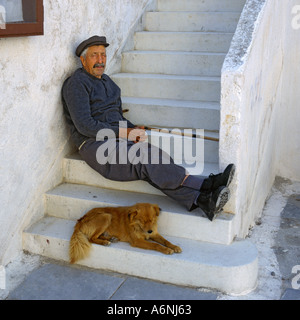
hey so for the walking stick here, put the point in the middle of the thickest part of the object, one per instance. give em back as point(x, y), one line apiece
point(181, 133)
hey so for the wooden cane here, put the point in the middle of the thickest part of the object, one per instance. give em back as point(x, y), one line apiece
point(193, 135)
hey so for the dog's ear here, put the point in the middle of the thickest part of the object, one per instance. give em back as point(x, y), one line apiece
point(132, 213)
point(157, 209)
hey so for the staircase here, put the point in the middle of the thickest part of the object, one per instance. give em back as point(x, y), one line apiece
point(171, 79)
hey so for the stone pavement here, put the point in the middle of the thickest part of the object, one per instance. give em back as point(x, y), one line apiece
point(287, 248)
point(276, 235)
point(61, 282)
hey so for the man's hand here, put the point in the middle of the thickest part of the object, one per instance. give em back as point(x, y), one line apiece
point(136, 134)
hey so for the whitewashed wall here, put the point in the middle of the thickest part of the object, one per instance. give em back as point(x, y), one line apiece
point(259, 106)
point(289, 136)
point(33, 135)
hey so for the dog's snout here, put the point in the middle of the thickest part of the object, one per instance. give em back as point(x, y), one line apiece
point(150, 231)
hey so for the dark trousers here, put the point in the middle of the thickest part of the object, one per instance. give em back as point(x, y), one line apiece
point(122, 160)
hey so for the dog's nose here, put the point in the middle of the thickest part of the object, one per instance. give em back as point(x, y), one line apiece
point(150, 231)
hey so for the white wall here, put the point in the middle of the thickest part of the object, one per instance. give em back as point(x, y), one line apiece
point(258, 106)
point(289, 136)
point(33, 135)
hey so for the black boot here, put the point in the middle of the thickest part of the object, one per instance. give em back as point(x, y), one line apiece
point(212, 203)
point(214, 181)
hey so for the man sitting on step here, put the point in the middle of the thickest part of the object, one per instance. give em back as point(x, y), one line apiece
point(92, 105)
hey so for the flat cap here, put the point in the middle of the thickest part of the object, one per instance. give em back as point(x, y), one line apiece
point(92, 41)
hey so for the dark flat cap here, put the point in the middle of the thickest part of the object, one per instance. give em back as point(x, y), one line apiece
point(92, 41)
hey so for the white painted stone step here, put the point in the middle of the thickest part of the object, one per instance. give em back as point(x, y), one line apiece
point(192, 21)
point(231, 269)
point(183, 41)
point(176, 87)
point(78, 172)
point(178, 113)
point(72, 201)
point(173, 62)
point(203, 5)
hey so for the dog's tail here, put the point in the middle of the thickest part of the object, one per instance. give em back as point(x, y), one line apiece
point(79, 246)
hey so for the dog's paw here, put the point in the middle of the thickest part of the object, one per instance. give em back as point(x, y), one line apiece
point(168, 251)
point(177, 249)
point(106, 243)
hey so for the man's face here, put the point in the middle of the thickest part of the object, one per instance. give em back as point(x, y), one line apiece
point(95, 60)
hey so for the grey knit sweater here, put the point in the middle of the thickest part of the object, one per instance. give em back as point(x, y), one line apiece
point(91, 104)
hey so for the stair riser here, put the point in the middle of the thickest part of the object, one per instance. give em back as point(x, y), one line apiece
point(183, 41)
point(169, 88)
point(191, 21)
point(169, 223)
point(204, 5)
point(174, 63)
point(78, 172)
point(179, 117)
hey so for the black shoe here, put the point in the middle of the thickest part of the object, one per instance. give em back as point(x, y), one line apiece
point(212, 203)
point(214, 181)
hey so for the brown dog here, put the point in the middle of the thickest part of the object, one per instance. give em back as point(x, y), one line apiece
point(135, 224)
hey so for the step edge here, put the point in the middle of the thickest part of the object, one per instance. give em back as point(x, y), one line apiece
point(175, 52)
point(166, 76)
point(193, 104)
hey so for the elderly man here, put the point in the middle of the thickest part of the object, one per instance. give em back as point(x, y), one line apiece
point(104, 138)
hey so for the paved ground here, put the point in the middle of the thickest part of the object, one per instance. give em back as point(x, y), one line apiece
point(276, 235)
point(53, 281)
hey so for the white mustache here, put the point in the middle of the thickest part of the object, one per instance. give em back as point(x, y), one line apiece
point(97, 65)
